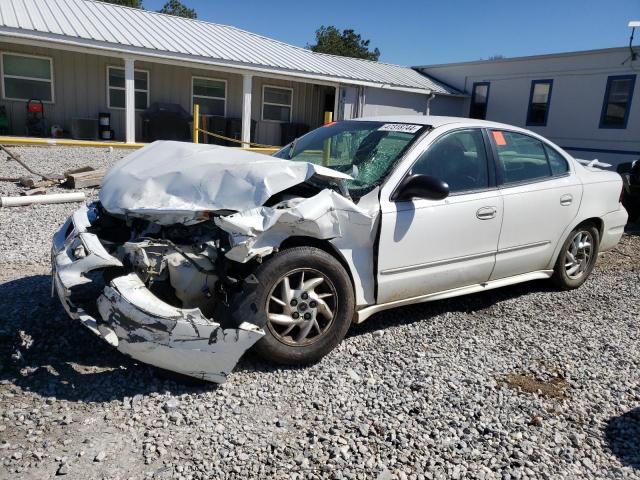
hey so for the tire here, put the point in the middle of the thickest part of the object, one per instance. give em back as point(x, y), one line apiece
point(577, 257)
point(329, 303)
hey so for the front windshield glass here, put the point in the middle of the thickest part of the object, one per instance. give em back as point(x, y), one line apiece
point(365, 150)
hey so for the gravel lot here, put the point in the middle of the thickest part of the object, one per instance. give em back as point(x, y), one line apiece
point(523, 382)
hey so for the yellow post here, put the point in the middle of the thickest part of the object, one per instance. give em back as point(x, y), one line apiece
point(326, 147)
point(196, 122)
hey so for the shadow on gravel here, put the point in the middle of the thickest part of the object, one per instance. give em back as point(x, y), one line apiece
point(43, 351)
point(463, 304)
point(411, 314)
point(622, 434)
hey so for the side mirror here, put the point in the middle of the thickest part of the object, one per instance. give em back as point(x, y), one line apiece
point(421, 186)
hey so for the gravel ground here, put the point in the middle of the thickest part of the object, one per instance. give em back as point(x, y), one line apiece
point(522, 382)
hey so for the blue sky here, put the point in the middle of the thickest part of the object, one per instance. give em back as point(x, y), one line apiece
point(428, 32)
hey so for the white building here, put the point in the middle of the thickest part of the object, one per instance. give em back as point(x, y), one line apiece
point(583, 101)
point(83, 57)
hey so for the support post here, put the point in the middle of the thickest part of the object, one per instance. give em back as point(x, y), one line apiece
point(247, 83)
point(130, 100)
point(196, 122)
point(326, 146)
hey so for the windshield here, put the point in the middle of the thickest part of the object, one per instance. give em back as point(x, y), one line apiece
point(365, 150)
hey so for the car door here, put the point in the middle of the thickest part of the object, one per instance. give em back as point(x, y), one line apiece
point(429, 246)
point(541, 197)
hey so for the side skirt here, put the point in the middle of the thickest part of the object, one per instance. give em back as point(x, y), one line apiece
point(365, 313)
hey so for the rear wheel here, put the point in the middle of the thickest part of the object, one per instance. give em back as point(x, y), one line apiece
point(306, 299)
point(577, 257)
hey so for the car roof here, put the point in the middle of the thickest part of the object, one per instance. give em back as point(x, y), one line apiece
point(436, 121)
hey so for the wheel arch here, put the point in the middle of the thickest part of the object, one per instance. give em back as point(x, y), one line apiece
point(324, 245)
point(596, 221)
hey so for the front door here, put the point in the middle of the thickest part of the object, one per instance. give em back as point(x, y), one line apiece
point(429, 246)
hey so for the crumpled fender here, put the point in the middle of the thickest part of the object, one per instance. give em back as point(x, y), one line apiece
point(326, 216)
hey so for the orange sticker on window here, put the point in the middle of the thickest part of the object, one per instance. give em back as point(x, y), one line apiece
point(499, 138)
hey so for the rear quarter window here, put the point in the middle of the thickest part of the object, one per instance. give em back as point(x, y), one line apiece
point(557, 162)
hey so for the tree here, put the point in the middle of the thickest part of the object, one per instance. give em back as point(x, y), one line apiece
point(346, 43)
point(176, 8)
point(126, 3)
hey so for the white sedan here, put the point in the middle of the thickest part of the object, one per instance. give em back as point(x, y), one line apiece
point(196, 253)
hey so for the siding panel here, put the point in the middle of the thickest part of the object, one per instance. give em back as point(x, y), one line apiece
point(80, 90)
point(579, 84)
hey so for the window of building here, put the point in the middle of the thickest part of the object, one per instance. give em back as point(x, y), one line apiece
point(479, 100)
point(539, 101)
point(617, 101)
point(26, 77)
point(116, 89)
point(276, 103)
point(211, 95)
point(458, 158)
point(521, 158)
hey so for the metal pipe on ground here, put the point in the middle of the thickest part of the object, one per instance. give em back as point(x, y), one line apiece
point(17, 158)
point(42, 199)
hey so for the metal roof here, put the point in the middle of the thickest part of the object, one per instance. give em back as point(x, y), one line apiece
point(528, 58)
point(95, 24)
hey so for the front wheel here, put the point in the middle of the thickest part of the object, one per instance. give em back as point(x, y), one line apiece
point(306, 298)
point(577, 257)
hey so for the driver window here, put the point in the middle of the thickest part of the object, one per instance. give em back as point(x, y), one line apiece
point(458, 158)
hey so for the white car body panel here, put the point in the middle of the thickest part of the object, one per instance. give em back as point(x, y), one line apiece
point(429, 246)
point(535, 218)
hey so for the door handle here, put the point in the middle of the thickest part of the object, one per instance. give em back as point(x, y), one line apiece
point(566, 200)
point(486, 213)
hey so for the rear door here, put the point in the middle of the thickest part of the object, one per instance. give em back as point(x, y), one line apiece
point(541, 196)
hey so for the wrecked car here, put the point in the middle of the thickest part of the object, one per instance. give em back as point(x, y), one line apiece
point(196, 253)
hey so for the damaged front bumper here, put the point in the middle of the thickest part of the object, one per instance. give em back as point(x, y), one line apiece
point(136, 322)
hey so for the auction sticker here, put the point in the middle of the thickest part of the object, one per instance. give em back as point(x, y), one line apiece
point(499, 138)
point(400, 127)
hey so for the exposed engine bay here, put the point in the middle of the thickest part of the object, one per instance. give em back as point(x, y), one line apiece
point(183, 265)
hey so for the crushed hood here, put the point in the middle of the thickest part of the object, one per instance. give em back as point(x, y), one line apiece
point(176, 182)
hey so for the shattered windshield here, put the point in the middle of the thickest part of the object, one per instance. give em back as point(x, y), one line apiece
point(365, 150)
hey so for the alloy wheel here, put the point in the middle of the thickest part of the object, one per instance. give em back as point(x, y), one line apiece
point(301, 307)
point(578, 254)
